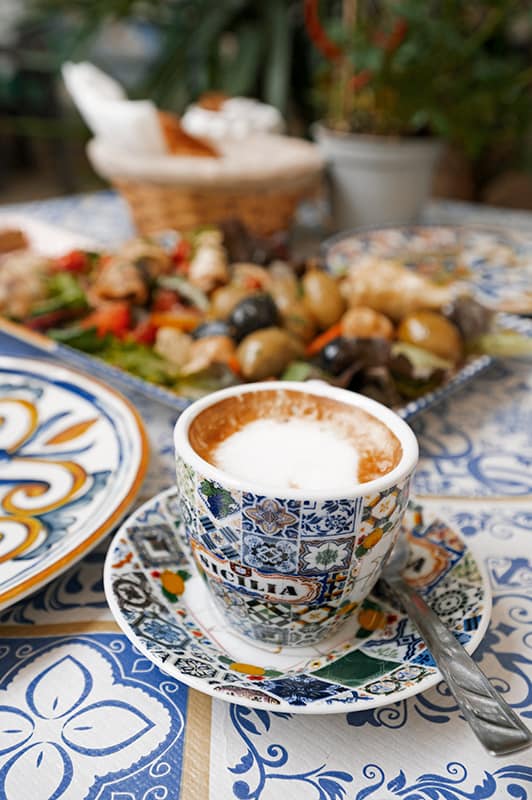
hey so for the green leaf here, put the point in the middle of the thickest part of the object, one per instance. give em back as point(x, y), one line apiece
point(85, 339)
point(63, 292)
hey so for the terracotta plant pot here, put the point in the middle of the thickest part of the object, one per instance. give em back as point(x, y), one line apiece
point(377, 180)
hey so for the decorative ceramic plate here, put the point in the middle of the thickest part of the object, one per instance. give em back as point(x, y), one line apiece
point(498, 264)
point(161, 603)
point(73, 454)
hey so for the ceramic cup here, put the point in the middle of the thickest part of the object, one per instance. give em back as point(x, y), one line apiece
point(288, 567)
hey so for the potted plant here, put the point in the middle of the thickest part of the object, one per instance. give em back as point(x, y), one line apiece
point(397, 78)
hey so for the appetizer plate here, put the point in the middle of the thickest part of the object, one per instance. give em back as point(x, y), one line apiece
point(497, 263)
point(73, 454)
point(52, 240)
point(161, 603)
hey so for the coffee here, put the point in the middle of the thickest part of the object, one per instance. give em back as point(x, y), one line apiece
point(294, 440)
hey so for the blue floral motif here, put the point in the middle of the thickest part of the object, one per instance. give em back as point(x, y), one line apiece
point(302, 689)
point(54, 731)
point(327, 784)
point(497, 460)
point(332, 517)
point(431, 786)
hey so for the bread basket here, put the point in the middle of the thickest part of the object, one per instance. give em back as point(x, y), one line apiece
point(258, 180)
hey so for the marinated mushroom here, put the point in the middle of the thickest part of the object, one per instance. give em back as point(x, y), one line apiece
point(322, 298)
point(173, 345)
point(266, 353)
point(433, 332)
point(367, 323)
point(208, 268)
point(208, 350)
point(121, 280)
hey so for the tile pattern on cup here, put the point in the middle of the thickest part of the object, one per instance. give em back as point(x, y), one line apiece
point(272, 535)
point(384, 657)
point(270, 516)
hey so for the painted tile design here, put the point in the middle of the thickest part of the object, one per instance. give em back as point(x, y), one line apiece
point(269, 554)
point(270, 516)
point(321, 555)
point(331, 517)
point(156, 546)
point(219, 502)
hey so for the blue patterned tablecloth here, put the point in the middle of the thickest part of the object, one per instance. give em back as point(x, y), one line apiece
point(83, 715)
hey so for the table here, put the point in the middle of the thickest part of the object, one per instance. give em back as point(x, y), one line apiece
point(147, 737)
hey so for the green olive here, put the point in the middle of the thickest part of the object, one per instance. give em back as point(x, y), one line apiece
point(266, 353)
point(322, 298)
point(298, 321)
point(433, 332)
point(224, 299)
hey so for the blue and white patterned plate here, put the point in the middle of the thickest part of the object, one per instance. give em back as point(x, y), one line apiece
point(73, 454)
point(161, 603)
point(496, 263)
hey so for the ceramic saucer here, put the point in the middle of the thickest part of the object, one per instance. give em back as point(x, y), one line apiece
point(73, 454)
point(161, 603)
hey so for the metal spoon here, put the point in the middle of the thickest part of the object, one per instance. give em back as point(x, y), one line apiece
point(492, 720)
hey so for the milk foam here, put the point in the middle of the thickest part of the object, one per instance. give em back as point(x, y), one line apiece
point(294, 453)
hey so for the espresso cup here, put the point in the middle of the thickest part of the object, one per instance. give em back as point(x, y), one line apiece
point(285, 565)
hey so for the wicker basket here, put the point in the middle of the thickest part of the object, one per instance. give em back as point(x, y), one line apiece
point(259, 181)
point(161, 206)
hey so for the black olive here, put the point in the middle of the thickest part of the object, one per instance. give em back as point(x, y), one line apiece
point(344, 352)
point(253, 313)
point(216, 327)
point(338, 355)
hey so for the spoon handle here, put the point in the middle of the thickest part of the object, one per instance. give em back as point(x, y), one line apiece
point(495, 724)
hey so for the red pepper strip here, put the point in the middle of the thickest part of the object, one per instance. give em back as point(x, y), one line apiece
point(114, 318)
point(144, 332)
point(324, 338)
point(164, 300)
point(75, 261)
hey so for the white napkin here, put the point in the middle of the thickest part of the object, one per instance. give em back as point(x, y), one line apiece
point(130, 125)
point(237, 117)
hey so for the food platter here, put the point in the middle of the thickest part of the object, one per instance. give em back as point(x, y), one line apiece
point(33, 341)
